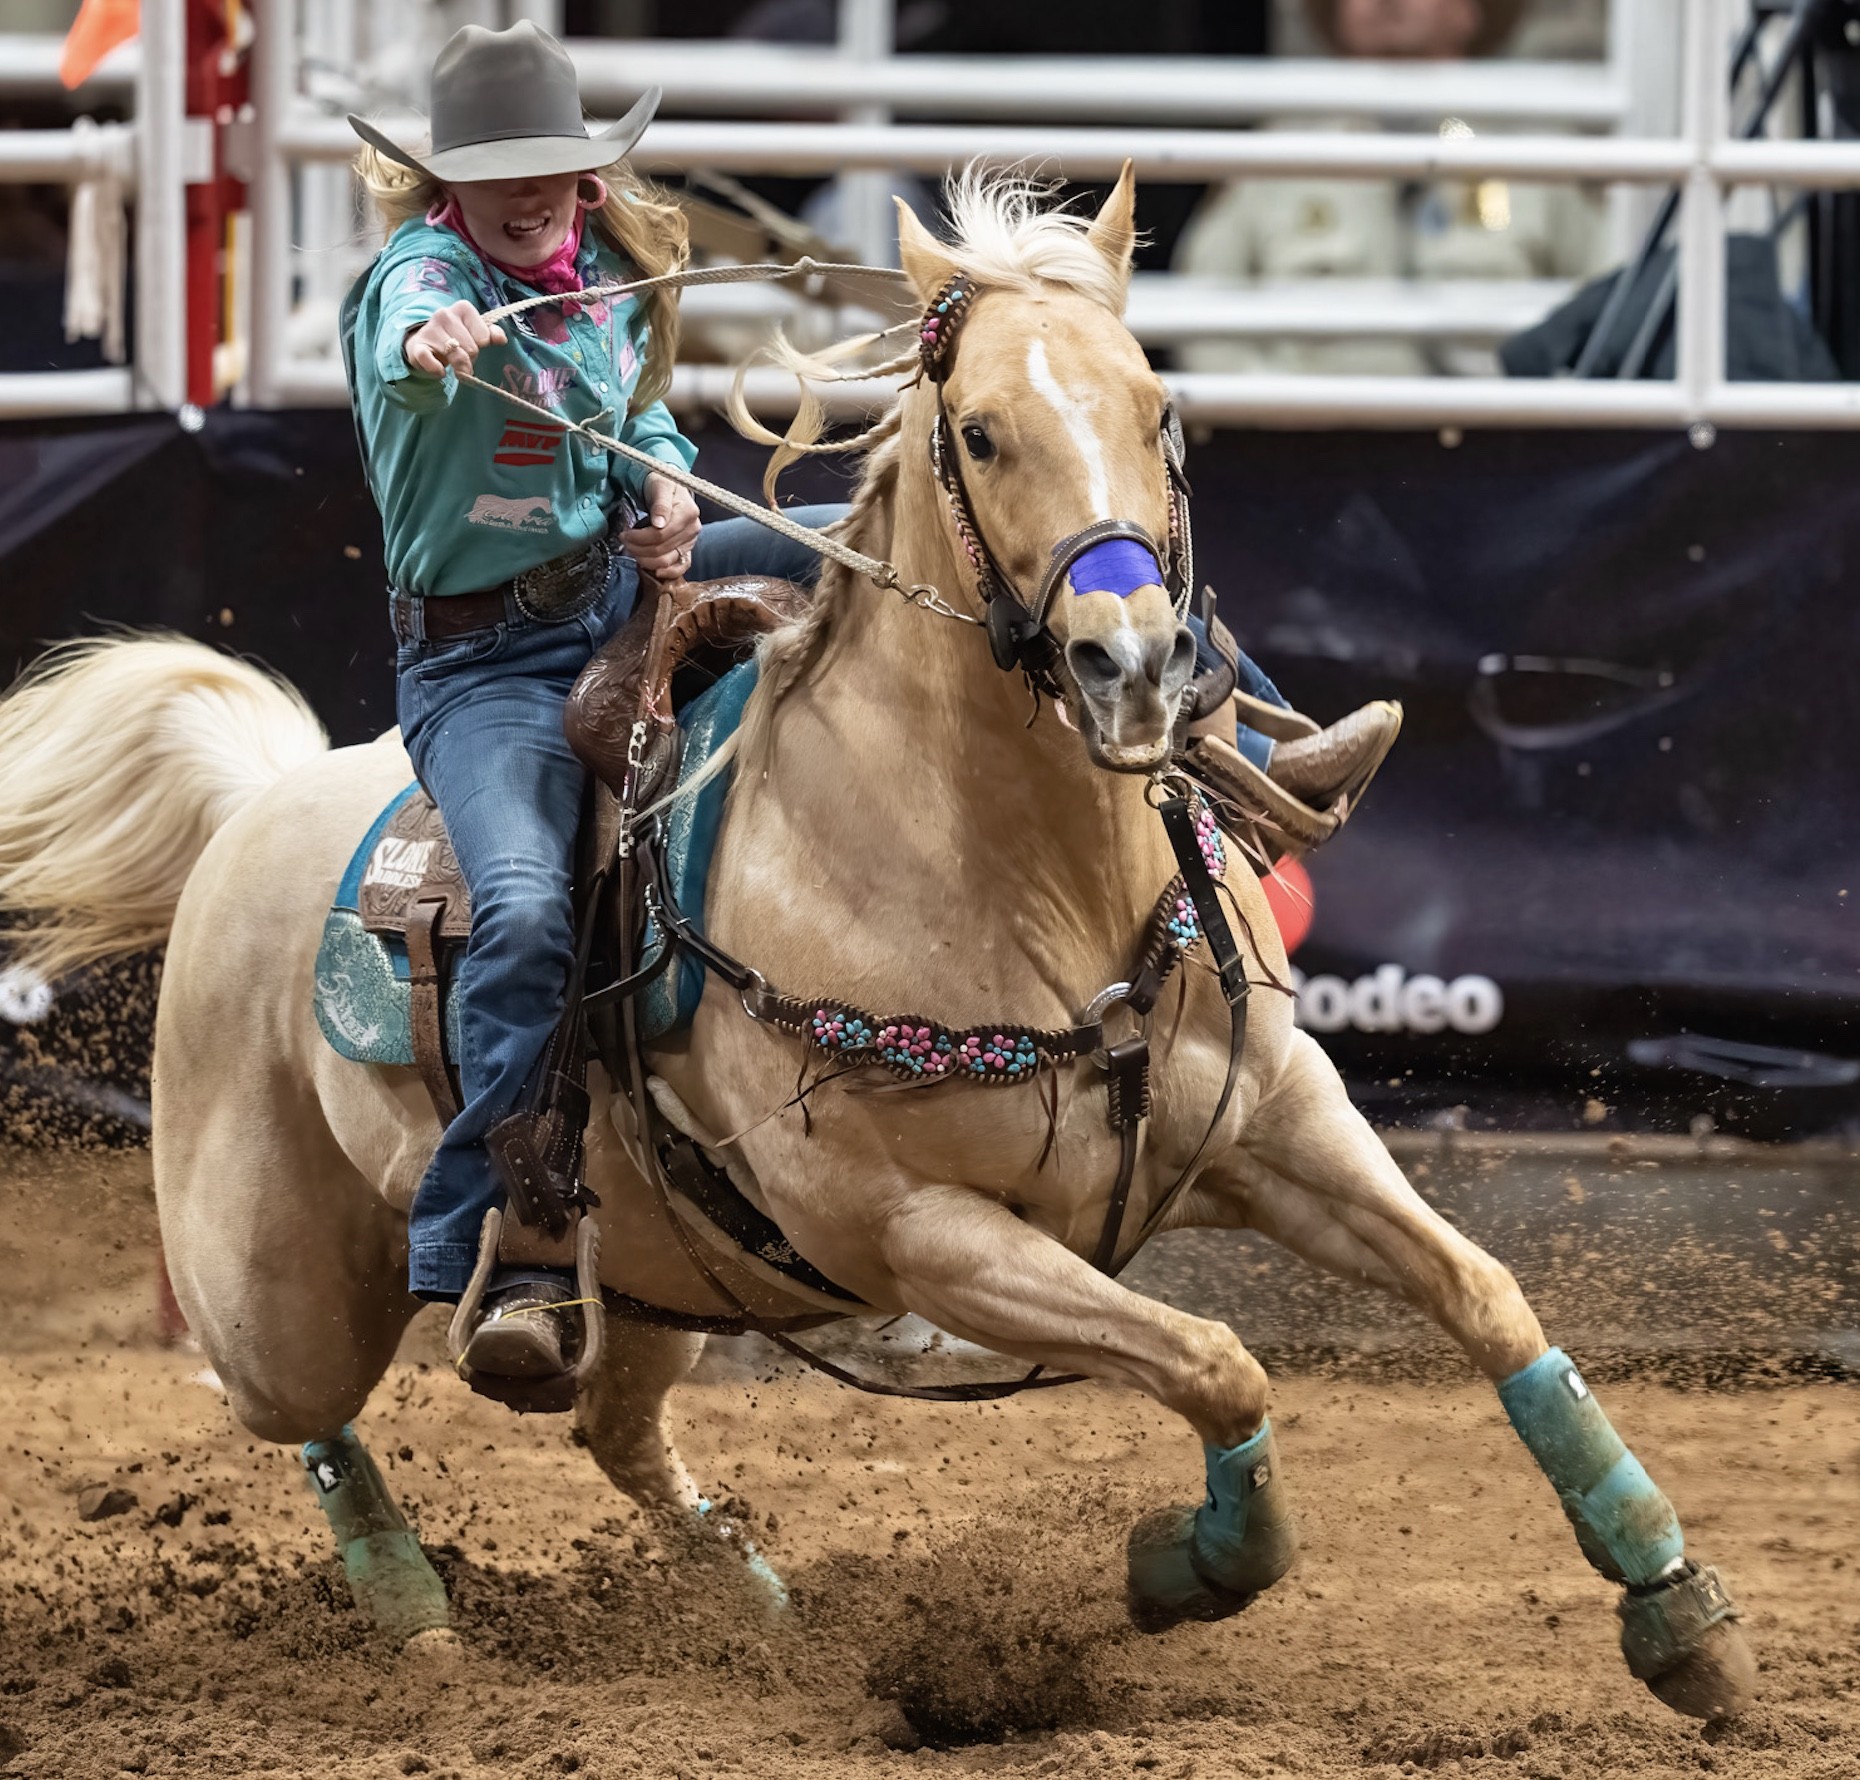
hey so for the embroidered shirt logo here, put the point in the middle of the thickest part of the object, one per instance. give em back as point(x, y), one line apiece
point(528, 442)
point(520, 513)
point(545, 387)
point(400, 864)
point(429, 275)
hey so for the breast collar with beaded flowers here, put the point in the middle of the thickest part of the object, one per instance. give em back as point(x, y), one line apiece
point(1018, 632)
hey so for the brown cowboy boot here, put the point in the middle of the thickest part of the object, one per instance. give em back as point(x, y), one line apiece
point(1314, 781)
point(525, 1330)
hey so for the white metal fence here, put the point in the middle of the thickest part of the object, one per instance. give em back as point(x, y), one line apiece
point(1647, 118)
point(152, 160)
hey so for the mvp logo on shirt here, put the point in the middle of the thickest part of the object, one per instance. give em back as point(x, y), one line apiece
point(528, 442)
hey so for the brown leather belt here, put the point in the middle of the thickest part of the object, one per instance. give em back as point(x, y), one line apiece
point(448, 615)
point(550, 591)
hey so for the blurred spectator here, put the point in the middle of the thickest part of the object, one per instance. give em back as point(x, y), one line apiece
point(1261, 229)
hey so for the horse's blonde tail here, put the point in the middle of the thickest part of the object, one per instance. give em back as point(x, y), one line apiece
point(120, 758)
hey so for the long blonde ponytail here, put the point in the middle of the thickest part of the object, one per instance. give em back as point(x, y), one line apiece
point(639, 219)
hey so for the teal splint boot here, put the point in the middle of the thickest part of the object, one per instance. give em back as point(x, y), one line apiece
point(393, 1584)
point(1210, 1562)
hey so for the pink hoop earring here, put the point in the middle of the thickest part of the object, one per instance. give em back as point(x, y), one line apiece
point(599, 187)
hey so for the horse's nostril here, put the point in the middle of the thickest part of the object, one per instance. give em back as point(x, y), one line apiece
point(1095, 668)
point(1181, 664)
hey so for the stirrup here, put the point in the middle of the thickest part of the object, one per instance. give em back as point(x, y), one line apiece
point(521, 1245)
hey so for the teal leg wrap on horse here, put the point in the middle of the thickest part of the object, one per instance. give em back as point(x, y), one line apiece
point(1627, 1528)
point(393, 1584)
point(1236, 1475)
point(1208, 1562)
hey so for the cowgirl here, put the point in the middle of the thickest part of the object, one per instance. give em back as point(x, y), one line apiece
point(514, 550)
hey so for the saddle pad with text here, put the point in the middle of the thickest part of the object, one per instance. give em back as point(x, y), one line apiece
point(362, 977)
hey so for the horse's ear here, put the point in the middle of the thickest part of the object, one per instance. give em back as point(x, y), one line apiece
point(1114, 230)
point(926, 261)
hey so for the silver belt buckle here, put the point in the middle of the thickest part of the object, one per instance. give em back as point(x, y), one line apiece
point(565, 586)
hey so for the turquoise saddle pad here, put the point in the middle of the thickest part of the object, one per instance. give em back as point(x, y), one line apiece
point(362, 994)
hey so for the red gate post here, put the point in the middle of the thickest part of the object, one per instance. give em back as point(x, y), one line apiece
point(217, 88)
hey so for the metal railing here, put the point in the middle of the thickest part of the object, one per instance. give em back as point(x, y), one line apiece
point(1631, 96)
point(152, 158)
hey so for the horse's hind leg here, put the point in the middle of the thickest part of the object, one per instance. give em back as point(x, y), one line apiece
point(1311, 1174)
point(621, 1413)
point(288, 1266)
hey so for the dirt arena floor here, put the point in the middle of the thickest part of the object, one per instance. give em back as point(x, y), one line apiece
point(956, 1574)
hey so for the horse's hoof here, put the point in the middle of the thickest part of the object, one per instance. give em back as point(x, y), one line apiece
point(394, 1586)
point(1163, 1586)
point(764, 1579)
point(1716, 1678)
point(1682, 1639)
point(437, 1647)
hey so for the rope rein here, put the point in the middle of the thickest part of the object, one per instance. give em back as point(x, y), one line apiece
point(880, 573)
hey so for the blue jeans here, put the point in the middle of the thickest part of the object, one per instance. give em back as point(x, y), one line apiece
point(1251, 680)
point(481, 716)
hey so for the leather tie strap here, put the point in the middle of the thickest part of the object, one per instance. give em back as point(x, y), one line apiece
point(426, 1002)
point(1127, 1067)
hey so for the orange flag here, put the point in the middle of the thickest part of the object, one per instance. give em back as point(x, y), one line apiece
point(100, 26)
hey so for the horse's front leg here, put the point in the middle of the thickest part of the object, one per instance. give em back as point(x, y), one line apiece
point(1310, 1173)
point(973, 1268)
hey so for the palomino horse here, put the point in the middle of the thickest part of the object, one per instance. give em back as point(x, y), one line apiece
point(899, 834)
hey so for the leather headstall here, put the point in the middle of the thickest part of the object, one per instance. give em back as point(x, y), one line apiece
point(1019, 635)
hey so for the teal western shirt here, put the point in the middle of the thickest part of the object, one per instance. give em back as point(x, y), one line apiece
point(471, 489)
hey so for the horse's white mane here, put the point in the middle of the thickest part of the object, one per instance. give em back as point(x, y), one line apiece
point(1008, 235)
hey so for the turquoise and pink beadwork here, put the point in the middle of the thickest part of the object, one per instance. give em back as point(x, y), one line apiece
point(1213, 848)
point(838, 1029)
point(1184, 926)
point(920, 1049)
point(941, 320)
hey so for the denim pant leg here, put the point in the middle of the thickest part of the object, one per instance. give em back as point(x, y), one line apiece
point(1252, 680)
point(483, 724)
point(742, 547)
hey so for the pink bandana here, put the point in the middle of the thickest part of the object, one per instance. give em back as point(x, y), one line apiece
point(554, 275)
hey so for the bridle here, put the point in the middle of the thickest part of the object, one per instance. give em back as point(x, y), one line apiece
point(1019, 628)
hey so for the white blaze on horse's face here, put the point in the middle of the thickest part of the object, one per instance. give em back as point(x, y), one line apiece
point(1058, 417)
point(1075, 413)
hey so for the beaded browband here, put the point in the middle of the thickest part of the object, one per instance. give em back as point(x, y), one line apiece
point(943, 319)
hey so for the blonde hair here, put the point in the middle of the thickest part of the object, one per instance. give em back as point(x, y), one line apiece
point(639, 219)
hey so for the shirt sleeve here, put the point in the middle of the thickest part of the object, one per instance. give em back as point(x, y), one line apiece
point(411, 295)
point(652, 429)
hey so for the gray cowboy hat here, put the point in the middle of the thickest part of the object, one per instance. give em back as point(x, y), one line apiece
point(506, 106)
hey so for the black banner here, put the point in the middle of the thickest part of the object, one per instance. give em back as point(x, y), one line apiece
point(1604, 878)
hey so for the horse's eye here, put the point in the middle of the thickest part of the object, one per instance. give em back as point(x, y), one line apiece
point(977, 443)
